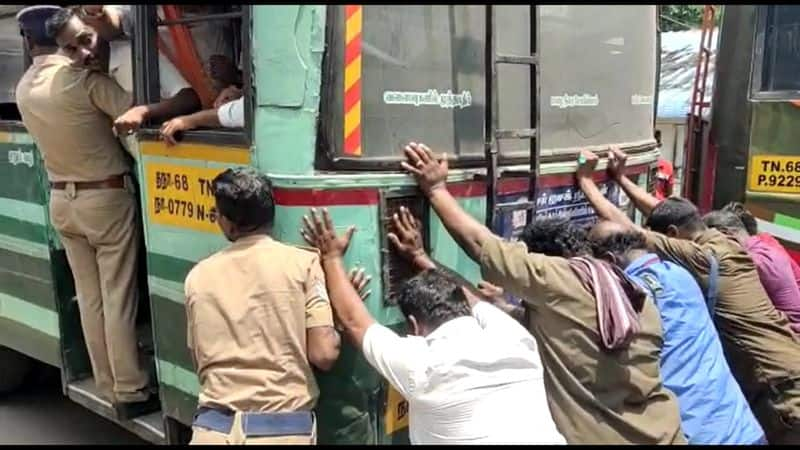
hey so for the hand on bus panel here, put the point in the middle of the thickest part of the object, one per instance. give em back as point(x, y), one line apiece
point(320, 233)
point(360, 282)
point(587, 164)
point(429, 171)
point(616, 162)
point(172, 127)
point(407, 239)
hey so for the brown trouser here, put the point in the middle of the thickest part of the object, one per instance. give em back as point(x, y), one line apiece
point(202, 436)
point(778, 412)
point(99, 231)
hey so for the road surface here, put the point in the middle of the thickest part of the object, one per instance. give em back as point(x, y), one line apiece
point(40, 414)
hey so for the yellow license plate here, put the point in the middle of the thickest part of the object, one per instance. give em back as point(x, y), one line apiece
point(180, 196)
point(396, 417)
point(779, 174)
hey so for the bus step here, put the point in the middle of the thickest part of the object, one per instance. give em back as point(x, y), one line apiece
point(516, 133)
point(149, 427)
point(515, 206)
point(530, 60)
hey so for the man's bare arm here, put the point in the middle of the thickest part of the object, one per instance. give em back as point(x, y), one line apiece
point(604, 208)
point(107, 21)
point(345, 300)
point(184, 102)
point(643, 201)
point(431, 175)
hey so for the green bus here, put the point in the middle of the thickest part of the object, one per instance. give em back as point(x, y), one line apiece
point(332, 93)
point(756, 106)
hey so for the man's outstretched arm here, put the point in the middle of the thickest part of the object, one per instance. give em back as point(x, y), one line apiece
point(346, 301)
point(431, 175)
point(643, 201)
point(604, 208)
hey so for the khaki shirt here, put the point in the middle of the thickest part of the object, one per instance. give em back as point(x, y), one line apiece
point(757, 339)
point(595, 396)
point(248, 308)
point(70, 113)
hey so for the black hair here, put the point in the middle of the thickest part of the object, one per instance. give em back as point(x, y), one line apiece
point(674, 211)
point(618, 243)
point(723, 221)
point(555, 236)
point(433, 298)
point(58, 21)
point(744, 215)
point(244, 196)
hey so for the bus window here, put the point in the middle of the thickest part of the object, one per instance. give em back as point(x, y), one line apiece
point(215, 57)
point(597, 77)
point(402, 72)
point(777, 53)
point(12, 62)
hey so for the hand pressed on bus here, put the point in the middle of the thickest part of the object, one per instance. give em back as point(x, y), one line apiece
point(587, 164)
point(407, 239)
point(320, 233)
point(430, 172)
point(616, 162)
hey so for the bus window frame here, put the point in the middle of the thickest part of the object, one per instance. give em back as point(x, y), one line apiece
point(326, 157)
point(757, 65)
point(147, 88)
point(16, 126)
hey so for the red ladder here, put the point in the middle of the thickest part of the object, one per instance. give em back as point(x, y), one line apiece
point(695, 118)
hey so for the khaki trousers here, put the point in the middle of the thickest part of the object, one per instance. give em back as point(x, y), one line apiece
point(203, 436)
point(99, 231)
point(779, 414)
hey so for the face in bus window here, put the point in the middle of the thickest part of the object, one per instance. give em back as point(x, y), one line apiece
point(83, 45)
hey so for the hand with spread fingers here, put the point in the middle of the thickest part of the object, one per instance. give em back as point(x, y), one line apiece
point(407, 239)
point(319, 232)
point(360, 281)
point(429, 171)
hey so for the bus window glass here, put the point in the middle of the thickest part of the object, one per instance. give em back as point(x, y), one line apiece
point(597, 76)
point(780, 50)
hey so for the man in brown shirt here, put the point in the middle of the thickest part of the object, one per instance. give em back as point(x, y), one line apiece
point(595, 396)
point(69, 112)
point(258, 318)
point(763, 351)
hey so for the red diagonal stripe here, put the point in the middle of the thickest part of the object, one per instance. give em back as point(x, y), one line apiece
point(349, 10)
point(352, 49)
point(352, 142)
point(352, 96)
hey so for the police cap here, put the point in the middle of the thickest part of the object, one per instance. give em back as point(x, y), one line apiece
point(32, 23)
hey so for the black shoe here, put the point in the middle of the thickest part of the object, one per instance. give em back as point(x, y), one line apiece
point(130, 410)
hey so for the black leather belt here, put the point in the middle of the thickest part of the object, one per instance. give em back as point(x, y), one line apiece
point(257, 424)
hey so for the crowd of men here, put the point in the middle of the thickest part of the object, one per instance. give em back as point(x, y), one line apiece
point(681, 331)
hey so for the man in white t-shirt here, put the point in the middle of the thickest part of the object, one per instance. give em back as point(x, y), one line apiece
point(470, 373)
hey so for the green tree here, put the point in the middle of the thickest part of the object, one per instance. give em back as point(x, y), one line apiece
point(684, 17)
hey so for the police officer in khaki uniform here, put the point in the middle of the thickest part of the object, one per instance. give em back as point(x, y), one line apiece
point(596, 395)
point(258, 319)
point(761, 348)
point(69, 112)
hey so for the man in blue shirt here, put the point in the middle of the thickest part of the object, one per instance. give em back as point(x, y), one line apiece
point(693, 366)
point(712, 406)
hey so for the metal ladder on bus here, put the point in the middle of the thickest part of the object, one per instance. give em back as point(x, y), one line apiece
point(493, 133)
point(695, 118)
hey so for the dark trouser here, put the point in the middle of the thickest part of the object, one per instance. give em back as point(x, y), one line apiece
point(778, 411)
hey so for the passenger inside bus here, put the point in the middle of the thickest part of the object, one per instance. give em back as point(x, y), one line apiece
point(195, 57)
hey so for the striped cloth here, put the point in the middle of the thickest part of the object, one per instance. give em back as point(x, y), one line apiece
point(619, 300)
